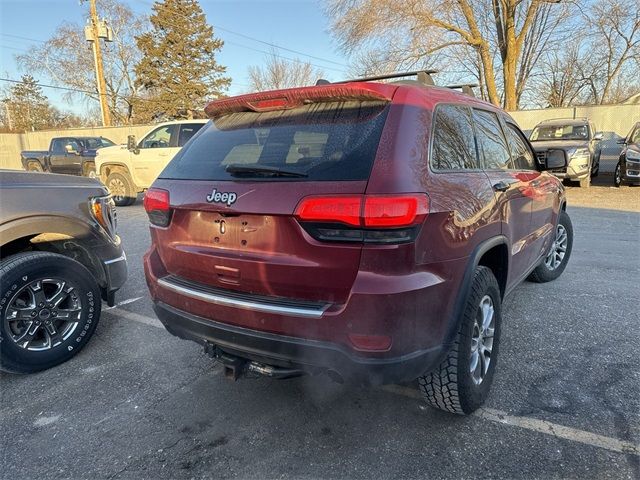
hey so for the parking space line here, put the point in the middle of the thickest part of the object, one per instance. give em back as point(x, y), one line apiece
point(492, 415)
point(559, 431)
point(537, 425)
point(136, 317)
point(124, 302)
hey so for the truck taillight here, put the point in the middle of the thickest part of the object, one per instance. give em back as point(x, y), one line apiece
point(158, 206)
point(368, 218)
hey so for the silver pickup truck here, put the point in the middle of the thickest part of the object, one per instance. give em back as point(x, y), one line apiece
point(60, 256)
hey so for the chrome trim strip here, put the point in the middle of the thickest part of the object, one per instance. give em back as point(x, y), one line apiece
point(245, 304)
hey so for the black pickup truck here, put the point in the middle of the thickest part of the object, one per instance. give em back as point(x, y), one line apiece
point(60, 254)
point(70, 155)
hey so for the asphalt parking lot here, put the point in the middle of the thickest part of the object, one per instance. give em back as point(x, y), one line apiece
point(139, 403)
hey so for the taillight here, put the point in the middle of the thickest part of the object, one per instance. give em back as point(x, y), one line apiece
point(331, 209)
point(157, 206)
point(363, 218)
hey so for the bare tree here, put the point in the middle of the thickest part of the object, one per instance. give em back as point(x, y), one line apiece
point(614, 50)
point(561, 83)
point(479, 27)
point(67, 59)
point(277, 73)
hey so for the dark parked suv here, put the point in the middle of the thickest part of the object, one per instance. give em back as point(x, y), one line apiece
point(365, 230)
point(628, 167)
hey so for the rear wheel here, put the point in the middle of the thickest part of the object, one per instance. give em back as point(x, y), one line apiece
point(461, 383)
point(49, 308)
point(595, 169)
point(34, 167)
point(122, 188)
point(617, 175)
point(556, 260)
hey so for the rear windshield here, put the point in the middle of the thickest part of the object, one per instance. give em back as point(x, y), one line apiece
point(97, 142)
point(560, 132)
point(324, 141)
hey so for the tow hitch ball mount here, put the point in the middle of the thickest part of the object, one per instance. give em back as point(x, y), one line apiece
point(236, 367)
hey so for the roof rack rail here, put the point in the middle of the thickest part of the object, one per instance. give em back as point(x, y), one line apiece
point(424, 77)
point(467, 88)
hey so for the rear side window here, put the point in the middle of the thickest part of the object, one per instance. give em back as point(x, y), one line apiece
point(453, 145)
point(58, 145)
point(188, 130)
point(491, 141)
point(521, 154)
point(323, 141)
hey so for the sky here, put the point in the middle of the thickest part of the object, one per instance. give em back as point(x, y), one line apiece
point(294, 24)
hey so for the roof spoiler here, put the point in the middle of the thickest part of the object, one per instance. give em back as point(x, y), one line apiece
point(296, 97)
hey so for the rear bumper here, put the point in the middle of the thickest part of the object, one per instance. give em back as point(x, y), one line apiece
point(304, 354)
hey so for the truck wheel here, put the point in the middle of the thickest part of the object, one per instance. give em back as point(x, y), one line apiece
point(122, 188)
point(617, 176)
point(34, 167)
point(585, 182)
point(556, 261)
point(49, 308)
point(595, 169)
point(461, 383)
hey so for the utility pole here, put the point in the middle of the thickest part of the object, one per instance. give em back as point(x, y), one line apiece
point(8, 113)
point(93, 33)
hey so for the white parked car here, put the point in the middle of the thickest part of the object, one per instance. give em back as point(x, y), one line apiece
point(129, 169)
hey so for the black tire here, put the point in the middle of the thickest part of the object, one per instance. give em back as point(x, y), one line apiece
point(595, 168)
point(21, 276)
point(122, 184)
point(89, 170)
point(617, 175)
point(451, 387)
point(546, 272)
point(34, 166)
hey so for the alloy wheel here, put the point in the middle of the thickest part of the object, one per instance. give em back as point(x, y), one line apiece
point(43, 314)
point(558, 249)
point(117, 189)
point(482, 340)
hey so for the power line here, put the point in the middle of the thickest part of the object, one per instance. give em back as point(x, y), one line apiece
point(10, 80)
point(282, 56)
point(326, 60)
point(22, 38)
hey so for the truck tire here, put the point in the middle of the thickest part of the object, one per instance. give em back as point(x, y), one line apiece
point(49, 308)
point(461, 383)
point(122, 188)
point(556, 261)
point(34, 166)
point(89, 170)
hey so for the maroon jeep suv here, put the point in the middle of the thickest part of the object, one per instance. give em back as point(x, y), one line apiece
point(365, 230)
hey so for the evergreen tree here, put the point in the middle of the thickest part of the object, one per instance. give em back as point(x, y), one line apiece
point(28, 106)
point(178, 68)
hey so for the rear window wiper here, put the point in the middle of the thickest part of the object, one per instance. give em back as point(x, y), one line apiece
point(236, 169)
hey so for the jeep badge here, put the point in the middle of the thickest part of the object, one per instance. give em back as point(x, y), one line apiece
point(227, 197)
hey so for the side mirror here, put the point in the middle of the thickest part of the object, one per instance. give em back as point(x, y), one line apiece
point(69, 149)
point(621, 141)
point(132, 144)
point(598, 136)
point(556, 159)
